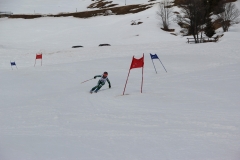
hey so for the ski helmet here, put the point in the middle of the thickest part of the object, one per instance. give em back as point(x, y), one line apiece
point(105, 73)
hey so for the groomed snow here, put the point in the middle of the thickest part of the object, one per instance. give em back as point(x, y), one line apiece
point(189, 113)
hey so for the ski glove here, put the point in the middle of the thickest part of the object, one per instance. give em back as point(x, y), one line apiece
point(95, 77)
point(109, 86)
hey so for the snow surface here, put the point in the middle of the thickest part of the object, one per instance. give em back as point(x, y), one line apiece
point(189, 113)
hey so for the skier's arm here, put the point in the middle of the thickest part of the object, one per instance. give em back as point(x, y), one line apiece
point(97, 76)
point(109, 84)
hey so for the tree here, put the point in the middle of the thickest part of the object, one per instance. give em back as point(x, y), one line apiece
point(212, 6)
point(209, 30)
point(192, 16)
point(229, 16)
point(165, 12)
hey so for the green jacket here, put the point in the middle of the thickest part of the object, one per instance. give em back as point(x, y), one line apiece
point(103, 80)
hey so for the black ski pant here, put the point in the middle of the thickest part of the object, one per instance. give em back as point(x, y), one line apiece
point(98, 86)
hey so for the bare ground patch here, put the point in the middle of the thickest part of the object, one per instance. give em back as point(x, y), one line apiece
point(87, 14)
point(100, 4)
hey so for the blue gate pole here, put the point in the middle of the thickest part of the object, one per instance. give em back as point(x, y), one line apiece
point(162, 65)
point(154, 66)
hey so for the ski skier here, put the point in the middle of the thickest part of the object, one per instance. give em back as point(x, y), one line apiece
point(101, 82)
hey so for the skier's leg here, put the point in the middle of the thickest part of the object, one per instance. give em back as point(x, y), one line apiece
point(98, 87)
point(95, 86)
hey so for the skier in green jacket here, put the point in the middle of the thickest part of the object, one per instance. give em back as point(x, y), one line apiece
point(101, 82)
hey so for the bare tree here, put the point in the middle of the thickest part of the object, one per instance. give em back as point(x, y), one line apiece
point(229, 16)
point(165, 12)
point(192, 17)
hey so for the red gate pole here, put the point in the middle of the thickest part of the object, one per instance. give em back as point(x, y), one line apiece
point(127, 77)
point(142, 73)
point(126, 82)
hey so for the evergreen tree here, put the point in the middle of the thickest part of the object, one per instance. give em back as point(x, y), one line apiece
point(209, 30)
point(212, 6)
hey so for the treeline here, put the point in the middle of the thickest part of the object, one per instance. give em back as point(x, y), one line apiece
point(199, 16)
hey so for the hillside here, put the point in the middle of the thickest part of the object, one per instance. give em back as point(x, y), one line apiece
point(61, 6)
point(190, 112)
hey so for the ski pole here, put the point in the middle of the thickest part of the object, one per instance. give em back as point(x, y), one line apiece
point(87, 80)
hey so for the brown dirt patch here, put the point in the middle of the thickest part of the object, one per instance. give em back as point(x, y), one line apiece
point(116, 10)
point(102, 4)
point(24, 16)
point(173, 34)
point(227, 1)
point(168, 30)
point(87, 14)
point(177, 2)
point(217, 24)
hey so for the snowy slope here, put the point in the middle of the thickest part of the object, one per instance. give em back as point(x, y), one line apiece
point(190, 112)
point(54, 6)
